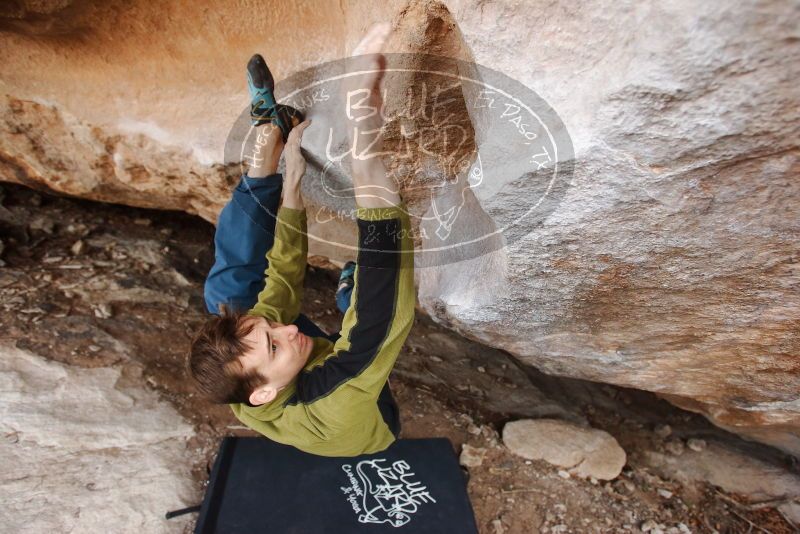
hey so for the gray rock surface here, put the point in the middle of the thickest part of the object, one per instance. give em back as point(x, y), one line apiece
point(585, 452)
point(471, 456)
point(83, 453)
point(669, 264)
point(733, 472)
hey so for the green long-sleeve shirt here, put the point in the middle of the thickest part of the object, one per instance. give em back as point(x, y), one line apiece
point(331, 408)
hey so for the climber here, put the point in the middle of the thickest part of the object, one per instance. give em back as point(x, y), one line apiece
point(281, 374)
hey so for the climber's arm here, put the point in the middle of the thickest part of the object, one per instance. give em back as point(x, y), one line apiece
point(342, 390)
point(280, 299)
point(340, 393)
point(283, 290)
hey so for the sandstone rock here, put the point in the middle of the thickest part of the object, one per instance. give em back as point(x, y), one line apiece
point(586, 452)
point(103, 310)
point(471, 456)
point(80, 455)
point(731, 471)
point(652, 527)
point(663, 431)
point(666, 265)
point(664, 230)
point(649, 526)
point(41, 224)
point(674, 447)
point(624, 486)
point(77, 247)
point(664, 493)
point(696, 445)
point(77, 229)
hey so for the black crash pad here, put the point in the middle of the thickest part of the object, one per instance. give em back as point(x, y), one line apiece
point(414, 486)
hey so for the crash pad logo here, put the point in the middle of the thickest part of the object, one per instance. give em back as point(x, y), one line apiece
point(480, 159)
point(380, 492)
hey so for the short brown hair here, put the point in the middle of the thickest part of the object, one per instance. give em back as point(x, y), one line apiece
point(214, 358)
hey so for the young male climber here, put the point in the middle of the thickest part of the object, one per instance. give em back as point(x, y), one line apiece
point(281, 374)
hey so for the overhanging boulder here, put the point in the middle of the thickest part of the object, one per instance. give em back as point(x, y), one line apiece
point(669, 263)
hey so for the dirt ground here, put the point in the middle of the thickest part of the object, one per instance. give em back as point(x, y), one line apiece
point(96, 285)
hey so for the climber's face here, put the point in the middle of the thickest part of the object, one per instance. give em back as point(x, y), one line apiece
point(278, 352)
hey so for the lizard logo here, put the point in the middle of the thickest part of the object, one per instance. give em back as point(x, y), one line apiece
point(380, 492)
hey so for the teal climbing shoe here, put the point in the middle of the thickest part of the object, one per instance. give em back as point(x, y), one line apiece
point(263, 107)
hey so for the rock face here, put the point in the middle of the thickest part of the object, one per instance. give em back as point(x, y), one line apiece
point(586, 452)
point(666, 262)
point(471, 456)
point(81, 453)
point(733, 472)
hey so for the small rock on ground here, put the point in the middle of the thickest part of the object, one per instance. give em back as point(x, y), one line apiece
point(471, 456)
point(586, 452)
point(696, 445)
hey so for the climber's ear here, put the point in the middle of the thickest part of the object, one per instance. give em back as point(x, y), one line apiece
point(262, 395)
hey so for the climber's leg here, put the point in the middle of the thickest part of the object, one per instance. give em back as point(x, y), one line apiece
point(345, 287)
point(246, 229)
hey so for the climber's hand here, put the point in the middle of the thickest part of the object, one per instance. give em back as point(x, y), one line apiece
point(361, 92)
point(363, 100)
point(295, 167)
